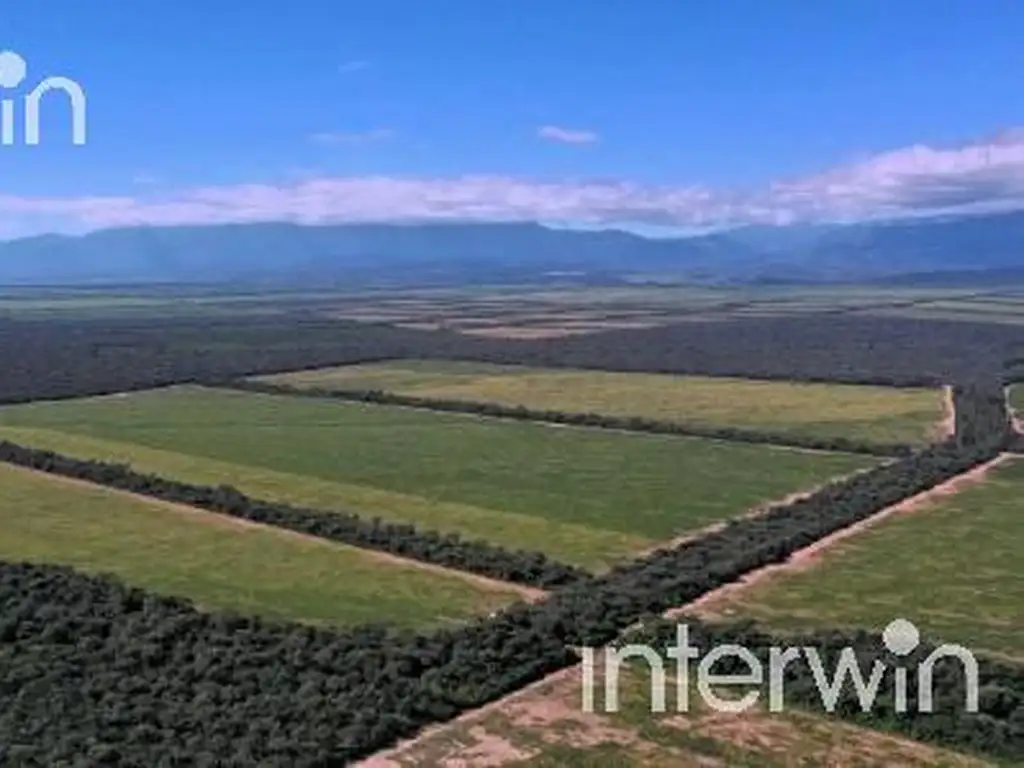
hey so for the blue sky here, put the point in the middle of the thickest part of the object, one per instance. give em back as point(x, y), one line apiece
point(603, 110)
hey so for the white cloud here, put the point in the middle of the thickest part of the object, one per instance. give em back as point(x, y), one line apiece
point(987, 174)
point(567, 135)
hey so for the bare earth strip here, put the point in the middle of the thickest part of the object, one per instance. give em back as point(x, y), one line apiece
point(947, 428)
point(213, 518)
point(487, 750)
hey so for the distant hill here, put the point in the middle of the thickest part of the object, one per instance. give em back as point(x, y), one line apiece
point(931, 250)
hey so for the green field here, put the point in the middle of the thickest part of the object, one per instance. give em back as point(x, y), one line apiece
point(879, 414)
point(1017, 399)
point(591, 497)
point(953, 567)
point(221, 563)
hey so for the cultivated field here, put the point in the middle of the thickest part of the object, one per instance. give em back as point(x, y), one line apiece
point(589, 497)
point(224, 564)
point(871, 414)
point(952, 566)
point(1017, 399)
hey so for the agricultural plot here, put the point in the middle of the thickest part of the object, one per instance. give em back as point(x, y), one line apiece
point(870, 414)
point(222, 564)
point(952, 567)
point(587, 497)
point(1017, 399)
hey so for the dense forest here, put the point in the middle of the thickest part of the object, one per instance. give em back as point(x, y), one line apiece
point(49, 359)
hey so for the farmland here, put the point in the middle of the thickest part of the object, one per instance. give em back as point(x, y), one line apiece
point(163, 395)
point(1017, 398)
point(923, 566)
point(221, 565)
point(873, 414)
point(583, 496)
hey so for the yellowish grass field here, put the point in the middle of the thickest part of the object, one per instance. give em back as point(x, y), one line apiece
point(879, 414)
point(221, 563)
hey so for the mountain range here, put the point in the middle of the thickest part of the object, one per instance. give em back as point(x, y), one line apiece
point(979, 248)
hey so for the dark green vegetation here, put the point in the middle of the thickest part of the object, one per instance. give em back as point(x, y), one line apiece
point(923, 566)
point(60, 359)
point(223, 565)
point(96, 673)
point(645, 488)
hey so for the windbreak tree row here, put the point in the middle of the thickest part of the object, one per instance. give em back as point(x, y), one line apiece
point(533, 569)
point(594, 420)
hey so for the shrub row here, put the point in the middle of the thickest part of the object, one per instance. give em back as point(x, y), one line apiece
point(450, 550)
point(995, 729)
point(597, 420)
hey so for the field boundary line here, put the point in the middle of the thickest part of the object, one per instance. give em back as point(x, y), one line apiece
point(758, 510)
point(390, 757)
point(529, 594)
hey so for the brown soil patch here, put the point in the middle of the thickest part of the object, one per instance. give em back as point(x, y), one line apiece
point(825, 742)
point(709, 604)
point(214, 518)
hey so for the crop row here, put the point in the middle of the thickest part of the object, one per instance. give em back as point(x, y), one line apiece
point(450, 550)
point(593, 420)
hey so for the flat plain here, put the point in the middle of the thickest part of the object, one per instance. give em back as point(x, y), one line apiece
point(952, 566)
point(591, 497)
point(224, 564)
point(878, 414)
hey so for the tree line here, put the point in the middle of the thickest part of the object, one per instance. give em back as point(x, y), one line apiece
point(592, 420)
point(533, 569)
